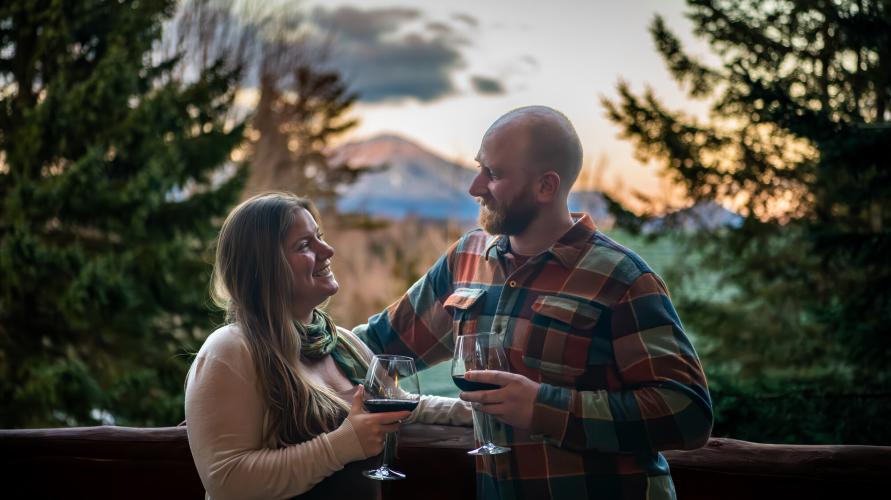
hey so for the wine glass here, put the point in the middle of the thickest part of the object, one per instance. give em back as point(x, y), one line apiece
point(391, 384)
point(480, 351)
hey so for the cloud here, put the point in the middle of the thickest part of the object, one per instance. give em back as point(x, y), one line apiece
point(357, 25)
point(467, 19)
point(387, 55)
point(487, 86)
point(439, 28)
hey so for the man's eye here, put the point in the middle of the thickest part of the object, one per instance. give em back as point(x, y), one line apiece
point(320, 236)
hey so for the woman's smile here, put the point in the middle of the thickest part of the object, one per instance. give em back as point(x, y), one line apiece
point(324, 272)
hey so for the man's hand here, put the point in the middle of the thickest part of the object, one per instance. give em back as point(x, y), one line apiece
point(511, 404)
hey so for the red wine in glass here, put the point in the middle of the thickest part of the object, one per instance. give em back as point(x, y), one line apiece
point(385, 405)
point(468, 386)
point(391, 384)
point(480, 351)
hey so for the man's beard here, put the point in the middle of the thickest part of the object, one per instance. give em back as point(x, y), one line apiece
point(511, 218)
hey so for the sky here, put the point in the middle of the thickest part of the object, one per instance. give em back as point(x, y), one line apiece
point(440, 72)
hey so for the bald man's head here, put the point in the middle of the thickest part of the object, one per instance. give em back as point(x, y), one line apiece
point(550, 140)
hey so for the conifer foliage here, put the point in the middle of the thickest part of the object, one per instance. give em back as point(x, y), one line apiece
point(109, 202)
point(799, 135)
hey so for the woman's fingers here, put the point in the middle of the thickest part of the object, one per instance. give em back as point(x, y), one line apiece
point(358, 406)
point(391, 417)
point(373, 427)
point(390, 421)
point(390, 427)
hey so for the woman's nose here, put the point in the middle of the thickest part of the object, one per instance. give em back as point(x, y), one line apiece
point(325, 251)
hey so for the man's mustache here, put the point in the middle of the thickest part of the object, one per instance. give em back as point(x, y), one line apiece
point(483, 202)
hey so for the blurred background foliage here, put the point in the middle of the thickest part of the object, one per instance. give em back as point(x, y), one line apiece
point(796, 344)
point(121, 149)
point(104, 263)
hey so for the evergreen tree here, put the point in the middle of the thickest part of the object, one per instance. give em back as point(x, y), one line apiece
point(799, 132)
point(109, 200)
point(302, 105)
point(301, 108)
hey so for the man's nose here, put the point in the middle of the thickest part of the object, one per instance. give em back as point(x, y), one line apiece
point(478, 186)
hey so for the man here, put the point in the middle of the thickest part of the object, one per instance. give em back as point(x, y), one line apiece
point(602, 375)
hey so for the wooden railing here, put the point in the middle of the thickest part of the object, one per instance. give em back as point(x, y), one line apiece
point(136, 463)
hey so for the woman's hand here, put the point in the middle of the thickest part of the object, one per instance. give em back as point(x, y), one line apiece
point(373, 427)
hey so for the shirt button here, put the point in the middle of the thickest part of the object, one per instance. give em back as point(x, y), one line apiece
point(512, 284)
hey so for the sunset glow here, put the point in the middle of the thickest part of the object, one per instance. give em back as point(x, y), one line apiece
point(440, 73)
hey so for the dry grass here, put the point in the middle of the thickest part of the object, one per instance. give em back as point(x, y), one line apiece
point(376, 265)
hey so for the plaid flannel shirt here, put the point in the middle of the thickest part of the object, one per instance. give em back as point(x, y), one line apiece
point(591, 322)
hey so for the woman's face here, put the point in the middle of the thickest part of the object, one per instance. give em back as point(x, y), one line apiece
point(310, 260)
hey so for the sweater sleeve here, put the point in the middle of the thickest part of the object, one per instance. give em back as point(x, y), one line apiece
point(224, 414)
point(441, 411)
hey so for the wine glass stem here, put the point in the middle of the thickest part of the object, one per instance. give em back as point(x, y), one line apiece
point(389, 441)
point(485, 429)
point(487, 425)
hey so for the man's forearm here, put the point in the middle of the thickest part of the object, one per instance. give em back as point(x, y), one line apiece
point(416, 325)
point(646, 419)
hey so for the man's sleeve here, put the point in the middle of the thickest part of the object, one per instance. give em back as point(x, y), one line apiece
point(416, 325)
point(666, 404)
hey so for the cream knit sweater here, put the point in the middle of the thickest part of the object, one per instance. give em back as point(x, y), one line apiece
point(226, 418)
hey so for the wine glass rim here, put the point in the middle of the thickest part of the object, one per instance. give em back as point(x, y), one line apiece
point(393, 357)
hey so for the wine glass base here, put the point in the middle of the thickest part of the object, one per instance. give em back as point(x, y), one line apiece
point(384, 474)
point(489, 449)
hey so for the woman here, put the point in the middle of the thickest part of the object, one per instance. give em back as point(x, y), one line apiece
point(273, 404)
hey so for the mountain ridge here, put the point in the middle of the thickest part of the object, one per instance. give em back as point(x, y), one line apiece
point(411, 180)
point(417, 182)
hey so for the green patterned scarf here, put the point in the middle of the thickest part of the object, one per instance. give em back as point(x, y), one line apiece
point(320, 338)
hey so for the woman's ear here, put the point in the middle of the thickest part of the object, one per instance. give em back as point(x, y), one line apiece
point(548, 187)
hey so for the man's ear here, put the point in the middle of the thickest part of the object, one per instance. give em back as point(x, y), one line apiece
point(548, 187)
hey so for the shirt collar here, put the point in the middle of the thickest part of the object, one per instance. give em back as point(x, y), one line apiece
point(566, 250)
point(499, 242)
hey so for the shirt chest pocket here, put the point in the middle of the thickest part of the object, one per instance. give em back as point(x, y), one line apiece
point(465, 306)
point(559, 338)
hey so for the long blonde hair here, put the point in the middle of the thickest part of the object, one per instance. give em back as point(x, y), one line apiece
point(253, 282)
